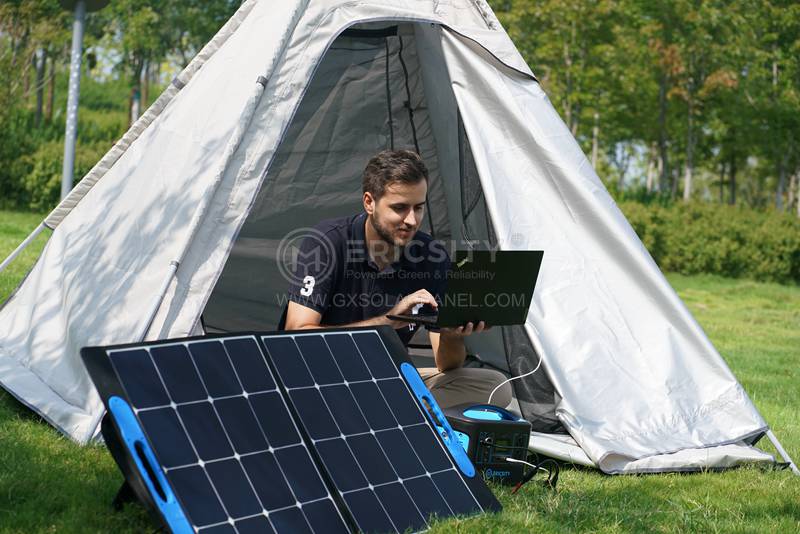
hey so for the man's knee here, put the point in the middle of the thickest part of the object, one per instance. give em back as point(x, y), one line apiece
point(469, 385)
point(498, 388)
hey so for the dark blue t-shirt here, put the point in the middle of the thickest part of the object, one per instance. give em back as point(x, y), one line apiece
point(334, 275)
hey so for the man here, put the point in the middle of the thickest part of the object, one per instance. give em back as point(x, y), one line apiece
point(357, 270)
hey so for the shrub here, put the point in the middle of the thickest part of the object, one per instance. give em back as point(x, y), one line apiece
point(718, 239)
point(42, 171)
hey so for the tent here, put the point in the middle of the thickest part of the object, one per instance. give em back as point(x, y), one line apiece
point(268, 129)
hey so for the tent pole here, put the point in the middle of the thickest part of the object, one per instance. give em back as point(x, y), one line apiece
point(782, 452)
point(151, 314)
point(230, 150)
point(156, 304)
point(22, 246)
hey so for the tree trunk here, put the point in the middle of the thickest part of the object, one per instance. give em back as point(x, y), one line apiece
point(722, 182)
point(136, 104)
point(576, 115)
point(797, 193)
point(732, 181)
point(51, 89)
point(674, 179)
point(689, 167)
point(136, 93)
point(595, 139)
point(662, 134)
point(40, 69)
point(27, 80)
point(569, 114)
point(792, 191)
point(783, 170)
point(145, 85)
point(568, 88)
point(651, 167)
point(781, 184)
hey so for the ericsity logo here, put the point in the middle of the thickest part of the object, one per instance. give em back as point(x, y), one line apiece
point(305, 258)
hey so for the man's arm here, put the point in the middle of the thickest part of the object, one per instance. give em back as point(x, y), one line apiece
point(299, 317)
point(448, 351)
point(448, 347)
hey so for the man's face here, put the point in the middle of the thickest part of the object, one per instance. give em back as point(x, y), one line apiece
point(398, 214)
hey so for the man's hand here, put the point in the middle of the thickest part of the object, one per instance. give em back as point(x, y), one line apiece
point(407, 303)
point(448, 345)
point(464, 330)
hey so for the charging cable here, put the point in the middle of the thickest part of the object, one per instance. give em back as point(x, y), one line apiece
point(504, 382)
point(552, 473)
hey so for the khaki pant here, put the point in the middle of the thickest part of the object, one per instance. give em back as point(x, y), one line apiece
point(466, 384)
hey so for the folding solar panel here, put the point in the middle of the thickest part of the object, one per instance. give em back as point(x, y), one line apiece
point(315, 431)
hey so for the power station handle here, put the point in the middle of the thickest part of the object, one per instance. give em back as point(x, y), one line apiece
point(136, 443)
point(436, 416)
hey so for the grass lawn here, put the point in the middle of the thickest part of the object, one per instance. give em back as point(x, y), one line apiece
point(49, 484)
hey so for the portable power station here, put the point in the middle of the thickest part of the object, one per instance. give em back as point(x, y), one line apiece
point(491, 434)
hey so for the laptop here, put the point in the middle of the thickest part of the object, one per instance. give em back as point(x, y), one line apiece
point(495, 287)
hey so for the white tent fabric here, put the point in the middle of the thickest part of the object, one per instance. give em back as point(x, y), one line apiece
point(637, 376)
point(606, 322)
point(566, 449)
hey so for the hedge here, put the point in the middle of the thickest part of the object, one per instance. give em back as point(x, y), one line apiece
point(37, 183)
point(719, 239)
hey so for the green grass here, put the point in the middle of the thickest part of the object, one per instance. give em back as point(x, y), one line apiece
point(49, 484)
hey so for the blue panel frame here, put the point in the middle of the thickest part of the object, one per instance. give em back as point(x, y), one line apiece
point(438, 419)
point(132, 435)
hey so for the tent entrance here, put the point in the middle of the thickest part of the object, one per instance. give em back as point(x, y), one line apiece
point(379, 86)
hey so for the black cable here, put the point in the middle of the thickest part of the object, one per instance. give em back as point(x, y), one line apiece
point(552, 474)
point(413, 126)
point(389, 98)
point(467, 206)
point(408, 95)
point(505, 447)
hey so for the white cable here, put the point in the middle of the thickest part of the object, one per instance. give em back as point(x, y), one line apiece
point(503, 383)
point(515, 461)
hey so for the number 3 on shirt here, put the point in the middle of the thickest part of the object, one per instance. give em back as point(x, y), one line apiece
point(308, 286)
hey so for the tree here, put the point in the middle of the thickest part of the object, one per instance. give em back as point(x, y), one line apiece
point(148, 31)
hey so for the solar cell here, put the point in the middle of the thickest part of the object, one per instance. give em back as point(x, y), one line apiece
point(319, 360)
point(375, 355)
point(291, 367)
point(274, 420)
point(179, 375)
point(141, 379)
point(169, 437)
point(373, 406)
point(218, 375)
point(347, 357)
point(288, 432)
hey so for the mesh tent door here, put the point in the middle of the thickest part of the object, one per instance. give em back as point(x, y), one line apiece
point(366, 96)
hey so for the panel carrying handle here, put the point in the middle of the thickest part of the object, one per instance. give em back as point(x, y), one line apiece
point(436, 416)
point(150, 470)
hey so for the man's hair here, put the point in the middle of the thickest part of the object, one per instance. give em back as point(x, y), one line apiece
point(392, 166)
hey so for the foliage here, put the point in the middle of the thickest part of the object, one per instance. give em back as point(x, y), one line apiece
point(726, 240)
point(34, 58)
point(36, 154)
point(679, 96)
point(42, 170)
point(26, 27)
